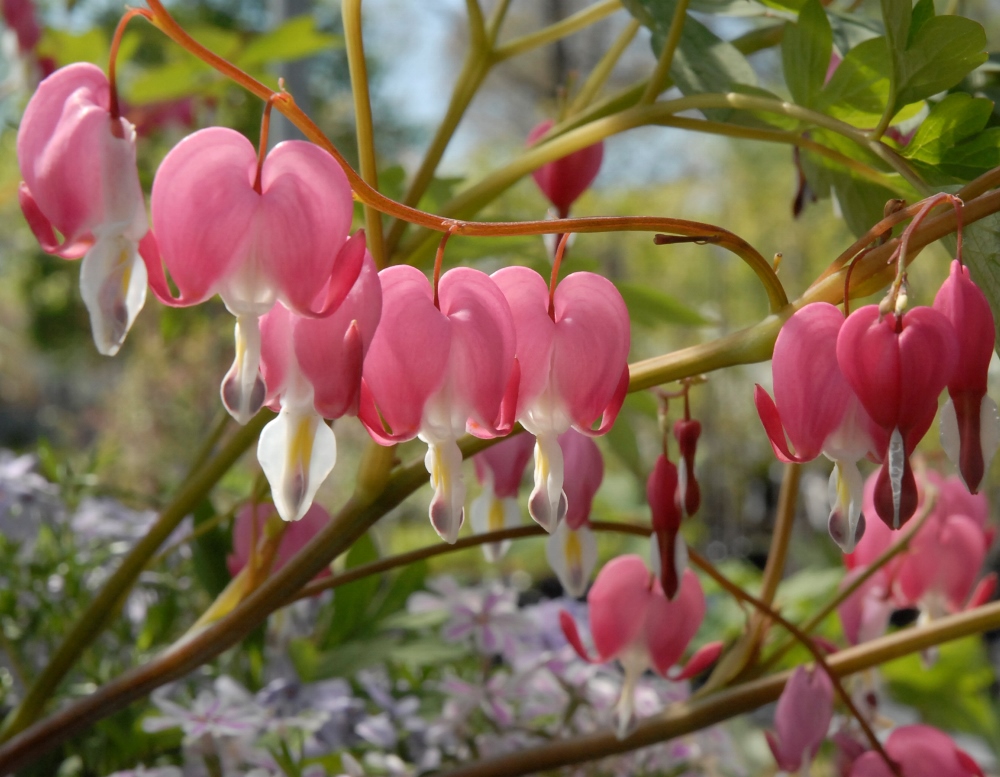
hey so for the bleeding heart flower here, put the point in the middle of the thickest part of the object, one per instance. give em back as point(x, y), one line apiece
point(312, 368)
point(80, 178)
point(970, 423)
point(919, 751)
point(574, 369)
point(253, 234)
point(565, 179)
point(499, 470)
point(632, 620)
point(20, 16)
point(939, 572)
point(686, 432)
point(434, 373)
point(802, 719)
point(293, 540)
point(897, 365)
point(815, 405)
point(571, 549)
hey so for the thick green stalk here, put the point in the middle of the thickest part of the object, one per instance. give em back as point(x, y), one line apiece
point(561, 29)
point(661, 75)
point(354, 43)
point(96, 616)
point(602, 70)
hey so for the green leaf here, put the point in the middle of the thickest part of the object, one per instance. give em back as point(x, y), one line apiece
point(410, 580)
point(859, 88)
point(65, 47)
point(171, 81)
point(954, 694)
point(650, 307)
point(861, 202)
point(944, 50)
point(295, 39)
point(313, 664)
point(351, 602)
point(976, 156)
point(703, 62)
point(209, 552)
point(923, 12)
point(957, 117)
point(896, 16)
point(981, 253)
point(621, 438)
point(427, 652)
point(805, 53)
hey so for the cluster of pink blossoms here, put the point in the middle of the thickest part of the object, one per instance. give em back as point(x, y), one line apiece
point(868, 386)
point(319, 332)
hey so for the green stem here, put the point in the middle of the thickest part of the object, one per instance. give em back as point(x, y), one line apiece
point(102, 608)
point(661, 75)
point(774, 569)
point(354, 44)
point(602, 70)
point(561, 29)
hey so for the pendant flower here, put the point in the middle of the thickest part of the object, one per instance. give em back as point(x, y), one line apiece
point(434, 372)
point(816, 407)
point(499, 470)
point(565, 179)
point(80, 179)
point(574, 369)
point(802, 719)
point(571, 549)
point(970, 423)
point(668, 552)
point(632, 620)
point(920, 751)
point(897, 366)
point(312, 368)
point(254, 234)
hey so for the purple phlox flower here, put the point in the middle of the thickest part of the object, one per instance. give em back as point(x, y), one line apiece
point(227, 711)
point(101, 519)
point(487, 614)
point(388, 763)
point(25, 496)
point(462, 698)
point(151, 771)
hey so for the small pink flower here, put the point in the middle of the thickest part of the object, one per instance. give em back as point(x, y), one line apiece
point(632, 620)
point(499, 470)
point(312, 368)
point(80, 179)
point(254, 237)
point(816, 407)
point(970, 425)
point(571, 549)
point(574, 368)
point(897, 365)
point(802, 719)
point(565, 179)
point(436, 372)
point(292, 541)
point(920, 751)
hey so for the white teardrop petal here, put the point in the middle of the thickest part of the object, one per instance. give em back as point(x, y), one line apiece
point(297, 451)
point(243, 390)
point(113, 287)
point(547, 502)
point(951, 441)
point(572, 556)
point(447, 509)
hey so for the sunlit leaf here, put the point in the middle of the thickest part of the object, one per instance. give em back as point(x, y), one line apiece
point(805, 53)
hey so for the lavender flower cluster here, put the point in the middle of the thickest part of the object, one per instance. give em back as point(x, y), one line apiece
point(522, 685)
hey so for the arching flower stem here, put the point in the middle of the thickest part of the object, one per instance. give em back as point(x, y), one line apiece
point(116, 41)
point(438, 262)
point(265, 127)
point(554, 278)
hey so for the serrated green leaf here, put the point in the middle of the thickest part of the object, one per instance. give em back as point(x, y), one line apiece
point(805, 53)
point(981, 253)
point(650, 307)
point(944, 50)
point(955, 118)
point(954, 693)
point(297, 38)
